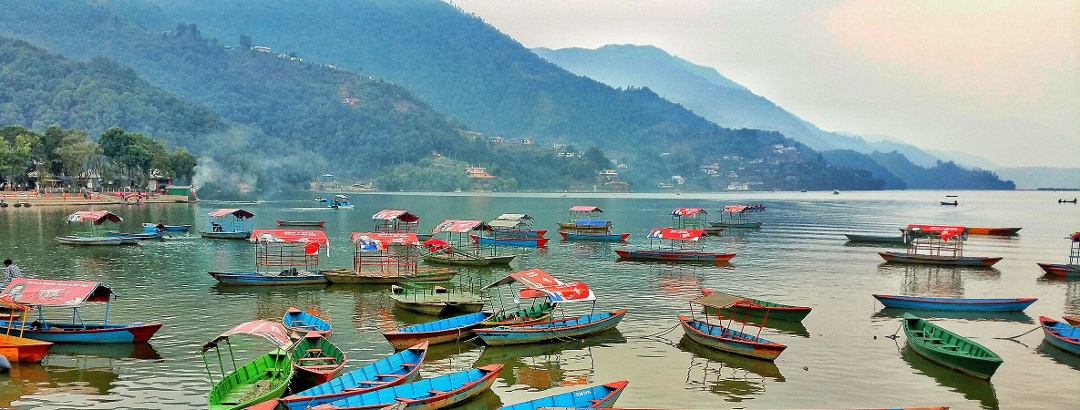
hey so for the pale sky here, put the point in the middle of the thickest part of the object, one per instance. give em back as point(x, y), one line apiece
point(997, 79)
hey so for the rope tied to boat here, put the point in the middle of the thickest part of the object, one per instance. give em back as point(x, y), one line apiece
point(1014, 337)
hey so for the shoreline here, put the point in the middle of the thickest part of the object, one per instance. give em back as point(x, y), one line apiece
point(50, 199)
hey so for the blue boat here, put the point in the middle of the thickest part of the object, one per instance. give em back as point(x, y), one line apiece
point(1061, 335)
point(152, 227)
point(535, 242)
point(569, 327)
point(595, 397)
point(955, 304)
point(389, 371)
point(340, 202)
point(282, 257)
point(69, 296)
point(235, 224)
point(436, 392)
point(435, 332)
point(595, 236)
point(301, 322)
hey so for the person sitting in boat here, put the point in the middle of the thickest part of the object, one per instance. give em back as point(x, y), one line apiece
point(216, 227)
point(160, 227)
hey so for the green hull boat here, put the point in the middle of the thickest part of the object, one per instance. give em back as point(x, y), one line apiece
point(528, 314)
point(949, 349)
point(260, 380)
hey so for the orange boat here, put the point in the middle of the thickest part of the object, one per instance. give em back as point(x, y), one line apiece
point(993, 231)
point(18, 348)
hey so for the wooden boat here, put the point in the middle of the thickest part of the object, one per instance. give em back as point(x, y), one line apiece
point(393, 370)
point(936, 245)
point(691, 218)
point(283, 257)
point(435, 332)
point(949, 349)
point(458, 247)
point(436, 300)
point(1062, 335)
point(1075, 321)
point(138, 236)
point(536, 332)
point(235, 224)
point(300, 323)
point(582, 218)
point(515, 226)
point(992, 231)
point(62, 294)
point(94, 220)
point(953, 203)
point(89, 240)
point(595, 236)
point(529, 314)
point(877, 239)
point(600, 396)
point(148, 227)
point(257, 381)
point(744, 308)
point(14, 347)
point(533, 242)
point(1067, 201)
point(347, 276)
point(955, 304)
point(726, 338)
point(467, 259)
point(388, 258)
point(737, 216)
point(434, 393)
point(1066, 270)
point(309, 224)
point(316, 359)
point(339, 202)
point(683, 245)
point(395, 220)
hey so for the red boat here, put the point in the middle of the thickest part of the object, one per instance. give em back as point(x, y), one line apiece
point(1071, 269)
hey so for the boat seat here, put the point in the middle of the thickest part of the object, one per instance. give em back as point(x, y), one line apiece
point(314, 359)
point(321, 367)
point(388, 375)
point(435, 392)
point(408, 365)
point(368, 382)
point(314, 350)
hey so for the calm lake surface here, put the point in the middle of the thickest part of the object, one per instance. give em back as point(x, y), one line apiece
point(839, 357)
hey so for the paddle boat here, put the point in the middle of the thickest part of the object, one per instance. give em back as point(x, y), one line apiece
point(43, 294)
point(585, 218)
point(300, 323)
point(393, 370)
point(955, 304)
point(1062, 335)
point(257, 381)
point(746, 309)
point(152, 227)
point(435, 300)
point(737, 216)
point(993, 231)
point(433, 393)
point(282, 257)
point(593, 397)
point(949, 349)
point(937, 245)
point(387, 258)
point(439, 331)
point(675, 245)
point(557, 328)
point(459, 249)
point(93, 219)
point(316, 359)
point(1068, 270)
point(339, 202)
point(14, 347)
point(726, 338)
point(234, 224)
point(301, 224)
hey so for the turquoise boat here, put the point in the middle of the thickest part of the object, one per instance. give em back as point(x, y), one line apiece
point(1061, 335)
point(435, 332)
point(434, 393)
point(949, 349)
point(390, 371)
point(300, 322)
point(602, 396)
point(955, 304)
point(569, 327)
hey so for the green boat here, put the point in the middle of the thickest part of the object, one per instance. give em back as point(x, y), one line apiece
point(529, 314)
point(949, 349)
point(259, 380)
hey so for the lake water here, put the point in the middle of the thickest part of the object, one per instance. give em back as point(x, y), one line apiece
point(839, 357)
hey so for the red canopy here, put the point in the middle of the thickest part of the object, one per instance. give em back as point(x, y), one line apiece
point(391, 214)
point(946, 232)
point(569, 292)
point(687, 211)
point(585, 208)
point(677, 234)
point(532, 278)
point(223, 212)
point(1075, 237)
point(97, 217)
point(380, 240)
point(289, 235)
point(63, 293)
point(734, 208)
point(274, 332)
point(460, 226)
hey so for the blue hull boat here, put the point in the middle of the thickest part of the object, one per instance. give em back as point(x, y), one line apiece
point(436, 392)
point(258, 279)
point(1061, 335)
point(435, 332)
point(150, 227)
point(510, 241)
point(226, 235)
point(955, 304)
point(602, 237)
point(301, 322)
point(730, 340)
point(87, 333)
point(596, 397)
point(393, 370)
point(572, 327)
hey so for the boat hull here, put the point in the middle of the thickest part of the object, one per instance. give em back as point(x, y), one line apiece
point(468, 260)
point(310, 224)
point(301, 322)
point(230, 393)
point(575, 326)
point(736, 225)
point(673, 256)
point(592, 227)
point(428, 394)
point(528, 315)
point(242, 235)
point(511, 241)
point(148, 227)
point(601, 237)
point(955, 304)
point(389, 371)
point(23, 350)
point(949, 349)
point(89, 241)
point(900, 257)
point(1061, 335)
point(91, 333)
point(316, 360)
point(595, 397)
point(730, 340)
point(878, 239)
point(258, 279)
point(435, 332)
point(1061, 269)
point(346, 276)
point(993, 231)
point(756, 309)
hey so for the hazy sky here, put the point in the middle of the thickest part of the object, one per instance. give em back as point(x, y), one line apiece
point(997, 79)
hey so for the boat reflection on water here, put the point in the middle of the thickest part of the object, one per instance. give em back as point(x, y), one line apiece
point(972, 388)
point(735, 378)
point(896, 313)
point(32, 379)
point(784, 326)
point(1056, 354)
point(141, 351)
point(542, 366)
point(445, 358)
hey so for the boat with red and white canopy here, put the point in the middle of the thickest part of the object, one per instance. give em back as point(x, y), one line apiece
point(95, 219)
point(937, 245)
point(737, 216)
point(387, 258)
point(675, 245)
point(583, 217)
point(459, 249)
point(69, 295)
point(1068, 270)
point(282, 257)
point(234, 223)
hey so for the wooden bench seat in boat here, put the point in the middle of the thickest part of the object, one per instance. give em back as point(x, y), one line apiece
point(314, 359)
point(320, 366)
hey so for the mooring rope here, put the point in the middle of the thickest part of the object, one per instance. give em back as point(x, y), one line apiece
point(1014, 337)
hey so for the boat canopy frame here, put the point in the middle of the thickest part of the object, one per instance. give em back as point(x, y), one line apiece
point(278, 250)
point(723, 301)
point(677, 239)
point(271, 331)
point(234, 220)
point(1074, 249)
point(63, 294)
point(395, 220)
point(391, 253)
point(689, 218)
point(457, 237)
point(936, 240)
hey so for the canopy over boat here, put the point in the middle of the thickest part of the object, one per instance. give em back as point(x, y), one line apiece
point(687, 211)
point(1075, 237)
point(97, 217)
point(735, 208)
point(532, 278)
point(394, 214)
point(585, 208)
point(677, 234)
point(945, 232)
point(235, 212)
point(506, 223)
point(460, 226)
point(718, 300)
point(568, 292)
point(289, 236)
point(377, 241)
point(57, 293)
point(540, 283)
point(274, 332)
point(515, 217)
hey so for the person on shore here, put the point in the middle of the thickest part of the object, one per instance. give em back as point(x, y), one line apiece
point(10, 272)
